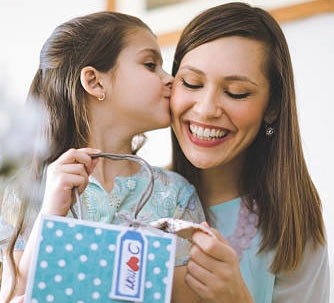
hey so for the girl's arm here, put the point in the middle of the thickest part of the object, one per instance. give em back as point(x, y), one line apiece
point(70, 170)
point(6, 279)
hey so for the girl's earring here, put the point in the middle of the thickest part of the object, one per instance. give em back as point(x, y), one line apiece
point(102, 97)
point(269, 130)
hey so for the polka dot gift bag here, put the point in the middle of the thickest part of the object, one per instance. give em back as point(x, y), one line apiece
point(81, 261)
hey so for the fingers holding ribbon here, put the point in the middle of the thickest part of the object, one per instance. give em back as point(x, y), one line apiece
point(70, 170)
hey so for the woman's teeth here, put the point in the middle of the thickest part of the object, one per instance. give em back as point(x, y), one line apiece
point(207, 133)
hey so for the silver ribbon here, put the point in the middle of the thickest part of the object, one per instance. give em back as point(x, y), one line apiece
point(140, 222)
point(143, 198)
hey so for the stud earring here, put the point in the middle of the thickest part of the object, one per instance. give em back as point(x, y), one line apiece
point(269, 130)
point(102, 97)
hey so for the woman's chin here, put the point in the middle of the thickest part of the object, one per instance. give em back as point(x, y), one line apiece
point(201, 161)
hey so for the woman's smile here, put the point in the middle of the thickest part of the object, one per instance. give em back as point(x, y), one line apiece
point(206, 135)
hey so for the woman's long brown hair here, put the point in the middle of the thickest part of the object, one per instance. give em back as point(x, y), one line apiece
point(275, 173)
point(93, 40)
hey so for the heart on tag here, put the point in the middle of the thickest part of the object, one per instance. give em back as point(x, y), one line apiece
point(133, 263)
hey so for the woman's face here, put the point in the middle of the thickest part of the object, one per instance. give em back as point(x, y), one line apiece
point(219, 98)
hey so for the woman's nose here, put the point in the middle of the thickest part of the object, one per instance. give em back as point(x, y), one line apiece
point(209, 105)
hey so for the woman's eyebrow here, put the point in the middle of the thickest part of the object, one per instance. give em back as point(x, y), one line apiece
point(193, 69)
point(226, 78)
point(239, 78)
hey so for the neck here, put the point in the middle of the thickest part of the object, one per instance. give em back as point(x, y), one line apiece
point(115, 139)
point(221, 183)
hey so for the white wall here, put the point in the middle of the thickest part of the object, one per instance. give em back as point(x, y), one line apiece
point(25, 25)
point(181, 13)
point(311, 43)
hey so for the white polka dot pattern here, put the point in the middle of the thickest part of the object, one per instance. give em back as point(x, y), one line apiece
point(76, 263)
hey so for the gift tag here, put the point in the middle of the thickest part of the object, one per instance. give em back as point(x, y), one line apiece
point(130, 267)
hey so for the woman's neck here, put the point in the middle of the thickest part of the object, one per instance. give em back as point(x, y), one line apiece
point(221, 184)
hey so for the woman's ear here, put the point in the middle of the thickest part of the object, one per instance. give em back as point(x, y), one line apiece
point(270, 115)
point(90, 79)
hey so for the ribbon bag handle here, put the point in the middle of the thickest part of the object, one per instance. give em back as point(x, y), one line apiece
point(143, 198)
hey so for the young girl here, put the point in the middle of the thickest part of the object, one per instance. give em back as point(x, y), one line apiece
point(101, 83)
point(238, 140)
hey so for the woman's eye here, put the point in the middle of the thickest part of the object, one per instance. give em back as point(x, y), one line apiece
point(237, 96)
point(188, 85)
point(150, 65)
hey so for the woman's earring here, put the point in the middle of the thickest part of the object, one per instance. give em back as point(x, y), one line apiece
point(102, 97)
point(269, 130)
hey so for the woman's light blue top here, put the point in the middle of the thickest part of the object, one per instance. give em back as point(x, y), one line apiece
point(254, 267)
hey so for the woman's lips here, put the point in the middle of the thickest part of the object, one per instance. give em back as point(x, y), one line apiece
point(206, 135)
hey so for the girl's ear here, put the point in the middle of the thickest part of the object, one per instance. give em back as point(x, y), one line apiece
point(90, 80)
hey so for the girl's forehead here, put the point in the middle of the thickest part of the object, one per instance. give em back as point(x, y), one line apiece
point(139, 36)
point(141, 43)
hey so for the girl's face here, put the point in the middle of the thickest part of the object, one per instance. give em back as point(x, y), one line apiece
point(219, 98)
point(140, 89)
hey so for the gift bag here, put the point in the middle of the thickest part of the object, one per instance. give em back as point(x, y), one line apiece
point(81, 261)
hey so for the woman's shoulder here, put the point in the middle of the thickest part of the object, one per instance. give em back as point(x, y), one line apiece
point(309, 282)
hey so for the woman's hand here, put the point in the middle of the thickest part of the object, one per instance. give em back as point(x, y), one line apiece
point(213, 270)
point(70, 170)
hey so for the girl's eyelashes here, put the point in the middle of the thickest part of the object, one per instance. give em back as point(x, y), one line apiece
point(151, 66)
point(237, 96)
point(191, 86)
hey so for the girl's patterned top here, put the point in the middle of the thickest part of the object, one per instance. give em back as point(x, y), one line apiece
point(172, 197)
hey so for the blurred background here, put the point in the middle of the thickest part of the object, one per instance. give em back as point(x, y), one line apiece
point(308, 26)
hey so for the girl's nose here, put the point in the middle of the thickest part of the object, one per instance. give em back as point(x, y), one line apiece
point(167, 79)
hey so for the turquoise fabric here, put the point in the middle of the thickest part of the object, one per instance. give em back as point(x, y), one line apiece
point(254, 267)
point(172, 196)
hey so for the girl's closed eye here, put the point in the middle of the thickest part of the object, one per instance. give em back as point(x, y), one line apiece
point(191, 85)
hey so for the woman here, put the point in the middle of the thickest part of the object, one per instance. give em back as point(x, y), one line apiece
point(236, 137)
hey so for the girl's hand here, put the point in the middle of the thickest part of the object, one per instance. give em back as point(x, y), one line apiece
point(70, 170)
point(213, 270)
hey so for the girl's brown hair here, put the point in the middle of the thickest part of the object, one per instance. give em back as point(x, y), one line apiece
point(275, 173)
point(93, 40)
